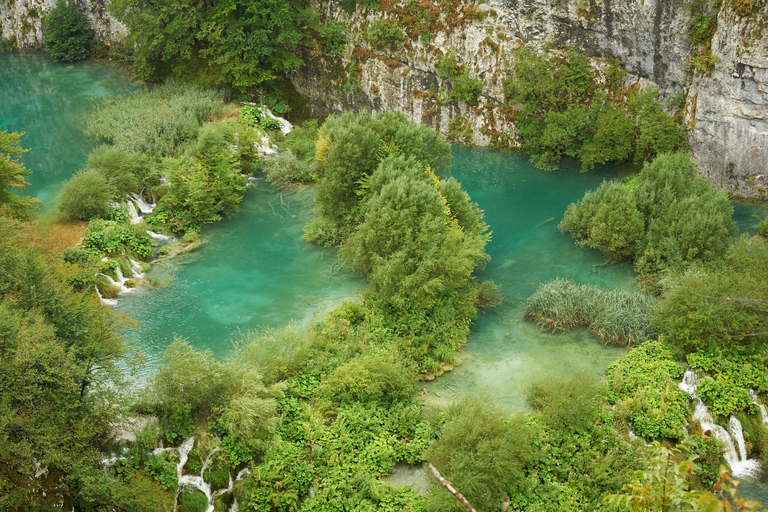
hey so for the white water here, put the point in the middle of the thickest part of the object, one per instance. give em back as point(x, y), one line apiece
point(144, 207)
point(737, 460)
point(135, 217)
point(763, 412)
point(198, 481)
point(160, 236)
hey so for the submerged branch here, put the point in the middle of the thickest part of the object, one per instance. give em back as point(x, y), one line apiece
point(445, 483)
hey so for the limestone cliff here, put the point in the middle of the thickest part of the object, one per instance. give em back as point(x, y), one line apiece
point(726, 108)
point(23, 20)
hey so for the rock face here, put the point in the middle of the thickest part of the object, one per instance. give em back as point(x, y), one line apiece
point(726, 108)
point(729, 107)
point(23, 20)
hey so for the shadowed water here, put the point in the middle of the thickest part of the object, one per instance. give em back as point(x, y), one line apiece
point(50, 102)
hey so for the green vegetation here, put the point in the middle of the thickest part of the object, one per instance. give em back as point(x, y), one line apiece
point(86, 195)
point(156, 122)
point(238, 43)
point(673, 217)
point(384, 34)
point(12, 173)
point(463, 88)
point(643, 386)
point(559, 110)
point(613, 316)
point(67, 35)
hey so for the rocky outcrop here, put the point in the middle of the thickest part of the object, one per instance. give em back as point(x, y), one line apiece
point(729, 107)
point(726, 108)
point(22, 20)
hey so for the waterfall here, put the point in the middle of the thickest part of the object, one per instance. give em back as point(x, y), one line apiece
point(160, 236)
point(198, 481)
point(763, 412)
point(737, 460)
point(144, 207)
point(108, 302)
point(135, 218)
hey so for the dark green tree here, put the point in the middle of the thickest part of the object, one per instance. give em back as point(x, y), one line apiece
point(67, 35)
point(12, 173)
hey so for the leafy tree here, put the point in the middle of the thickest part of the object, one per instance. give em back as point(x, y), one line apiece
point(12, 173)
point(86, 195)
point(125, 171)
point(482, 453)
point(67, 35)
point(720, 306)
point(241, 43)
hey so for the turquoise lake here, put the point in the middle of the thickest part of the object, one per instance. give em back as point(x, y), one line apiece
point(256, 271)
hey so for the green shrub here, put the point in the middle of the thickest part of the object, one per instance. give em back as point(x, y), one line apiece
point(86, 195)
point(565, 402)
point(192, 501)
point(284, 170)
point(332, 32)
point(109, 237)
point(762, 228)
point(155, 122)
point(463, 88)
point(606, 219)
point(301, 140)
point(643, 386)
point(375, 377)
point(9, 44)
point(163, 470)
point(482, 453)
point(277, 353)
point(126, 171)
point(666, 217)
point(67, 35)
point(614, 316)
point(384, 34)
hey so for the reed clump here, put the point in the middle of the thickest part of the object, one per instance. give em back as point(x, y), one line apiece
point(615, 317)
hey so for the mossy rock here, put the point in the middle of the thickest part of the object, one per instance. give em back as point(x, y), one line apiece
point(192, 501)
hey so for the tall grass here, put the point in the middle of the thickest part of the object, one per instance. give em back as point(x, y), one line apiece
point(155, 122)
point(616, 317)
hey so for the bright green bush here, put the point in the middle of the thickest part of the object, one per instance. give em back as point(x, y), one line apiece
point(719, 306)
point(155, 122)
point(285, 170)
point(643, 386)
point(384, 34)
point(375, 377)
point(666, 217)
point(109, 237)
point(277, 353)
point(482, 453)
point(463, 88)
point(606, 219)
point(86, 195)
point(125, 171)
point(565, 402)
point(614, 316)
point(67, 35)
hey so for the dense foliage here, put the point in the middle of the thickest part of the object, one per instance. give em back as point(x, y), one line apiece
point(613, 316)
point(12, 173)
point(67, 35)
point(240, 43)
point(668, 218)
point(560, 109)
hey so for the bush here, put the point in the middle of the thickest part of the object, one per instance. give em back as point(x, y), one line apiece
point(125, 171)
point(284, 170)
point(566, 402)
point(463, 88)
point(666, 218)
point(614, 316)
point(109, 237)
point(375, 377)
point(276, 353)
point(67, 35)
point(86, 195)
point(606, 219)
point(384, 34)
point(643, 386)
point(481, 453)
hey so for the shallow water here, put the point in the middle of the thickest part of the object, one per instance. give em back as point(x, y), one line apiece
point(255, 271)
point(50, 102)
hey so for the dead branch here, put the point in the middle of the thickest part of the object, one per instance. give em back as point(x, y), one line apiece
point(451, 489)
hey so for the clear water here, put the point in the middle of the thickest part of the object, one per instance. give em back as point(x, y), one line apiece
point(254, 271)
point(50, 102)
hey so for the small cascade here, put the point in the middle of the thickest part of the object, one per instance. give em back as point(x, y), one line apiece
point(737, 460)
point(689, 382)
point(108, 302)
point(136, 268)
point(265, 147)
point(135, 217)
point(144, 207)
point(763, 412)
point(160, 236)
point(198, 481)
